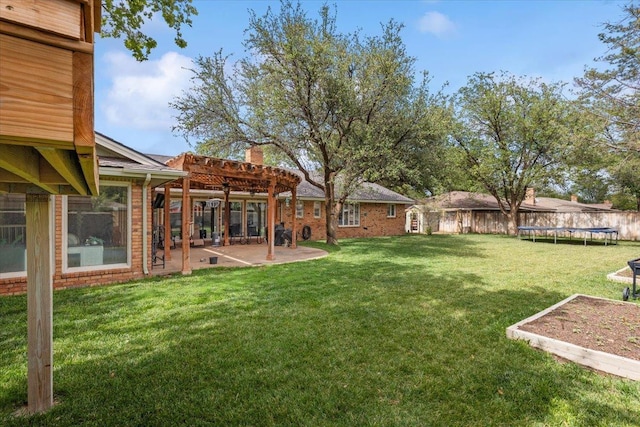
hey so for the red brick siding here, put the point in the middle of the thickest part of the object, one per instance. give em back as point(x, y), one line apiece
point(18, 285)
point(375, 223)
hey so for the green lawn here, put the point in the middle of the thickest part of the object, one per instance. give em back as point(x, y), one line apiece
point(405, 331)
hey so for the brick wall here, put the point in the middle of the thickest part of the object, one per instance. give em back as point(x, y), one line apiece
point(18, 285)
point(373, 221)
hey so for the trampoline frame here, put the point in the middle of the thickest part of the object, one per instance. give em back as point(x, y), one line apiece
point(588, 232)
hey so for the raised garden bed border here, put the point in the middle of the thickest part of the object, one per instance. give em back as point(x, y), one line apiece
point(601, 361)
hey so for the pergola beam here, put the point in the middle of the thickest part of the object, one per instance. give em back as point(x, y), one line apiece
point(229, 175)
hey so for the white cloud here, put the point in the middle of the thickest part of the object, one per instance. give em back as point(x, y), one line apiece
point(436, 23)
point(138, 95)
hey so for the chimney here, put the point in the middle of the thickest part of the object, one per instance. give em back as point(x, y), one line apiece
point(608, 204)
point(254, 155)
point(530, 196)
point(574, 198)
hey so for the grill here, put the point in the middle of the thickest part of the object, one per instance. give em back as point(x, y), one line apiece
point(634, 265)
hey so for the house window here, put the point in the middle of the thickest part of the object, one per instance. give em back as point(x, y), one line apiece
point(13, 226)
point(299, 209)
point(317, 209)
point(391, 210)
point(350, 215)
point(98, 229)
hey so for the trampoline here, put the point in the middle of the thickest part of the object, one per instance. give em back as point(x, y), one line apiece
point(586, 232)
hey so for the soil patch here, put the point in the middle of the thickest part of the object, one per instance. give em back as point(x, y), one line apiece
point(625, 273)
point(598, 324)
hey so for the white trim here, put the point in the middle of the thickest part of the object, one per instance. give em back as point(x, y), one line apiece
point(394, 210)
point(319, 209)
point(65, 234)
point(125, 151)
point(301, 202)
point(347, 203)
point(22, 273)
point(13, 274)
point(52, 244)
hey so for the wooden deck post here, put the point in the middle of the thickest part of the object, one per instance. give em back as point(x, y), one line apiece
point(39, 304)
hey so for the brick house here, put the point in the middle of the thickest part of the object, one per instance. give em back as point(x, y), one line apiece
point(372, 210)
point(467, 212)
point(96, 240)
point(112, 237)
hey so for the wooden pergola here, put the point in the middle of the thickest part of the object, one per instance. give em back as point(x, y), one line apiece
point(209, 173)
point(47, 143)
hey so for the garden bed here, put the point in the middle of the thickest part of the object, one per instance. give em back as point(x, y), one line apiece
point(595, 332)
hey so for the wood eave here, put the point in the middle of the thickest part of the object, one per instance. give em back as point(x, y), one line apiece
point(42, 163)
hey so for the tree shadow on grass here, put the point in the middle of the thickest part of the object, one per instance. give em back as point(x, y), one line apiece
point(338, 342)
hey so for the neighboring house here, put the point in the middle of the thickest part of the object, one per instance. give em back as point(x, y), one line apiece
point(465, 212)
point(110, 238)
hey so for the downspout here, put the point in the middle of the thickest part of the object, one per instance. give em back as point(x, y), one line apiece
point(145, 260)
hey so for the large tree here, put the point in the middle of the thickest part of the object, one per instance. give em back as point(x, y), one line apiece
point(514, 134)
point(125, 19)
point(611, 93)
point(342, 108)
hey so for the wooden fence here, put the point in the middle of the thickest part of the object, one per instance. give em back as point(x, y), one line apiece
point(494, 222)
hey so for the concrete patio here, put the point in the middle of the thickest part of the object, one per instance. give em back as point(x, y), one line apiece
point(248, 255)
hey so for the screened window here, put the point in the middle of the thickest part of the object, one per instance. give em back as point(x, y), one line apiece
point(13, 225)
point(299, 209)
point(317, 209)
point(391, 211)
point(98, 229)
point(350, 215)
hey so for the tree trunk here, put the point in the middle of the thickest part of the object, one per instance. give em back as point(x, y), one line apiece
point(513, 221)
point(330, 214)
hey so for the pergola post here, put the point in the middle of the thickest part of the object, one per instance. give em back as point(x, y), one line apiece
point(39, 304)
point(206, 173)
point(294, 202)
point(167, 222)
point(186, 226)
point(227, 216)
point(271, 221)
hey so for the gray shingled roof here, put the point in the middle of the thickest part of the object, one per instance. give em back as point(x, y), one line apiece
point(367, 192)
point(114, 162)
point(464, 200)
point(561, 205)
point(160, 158)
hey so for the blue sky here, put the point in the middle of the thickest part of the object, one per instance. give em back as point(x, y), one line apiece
point(553, 40)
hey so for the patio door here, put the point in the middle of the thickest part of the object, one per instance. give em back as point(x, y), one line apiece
point(256, 218)
point(235, 224)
